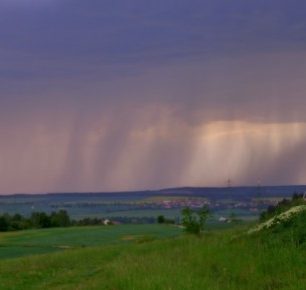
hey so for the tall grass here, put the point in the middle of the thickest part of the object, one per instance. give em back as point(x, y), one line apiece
point(218, 260)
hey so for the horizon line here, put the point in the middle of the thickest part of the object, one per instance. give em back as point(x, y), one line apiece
point(150, 190)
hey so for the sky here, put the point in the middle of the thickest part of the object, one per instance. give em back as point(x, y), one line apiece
point(143, 94)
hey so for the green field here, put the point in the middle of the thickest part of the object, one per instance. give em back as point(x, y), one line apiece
point(153, 257)
point(15, 244)
point(218, 260)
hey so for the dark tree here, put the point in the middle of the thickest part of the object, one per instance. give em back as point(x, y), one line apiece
point(60, 219)
point(40, 220)
point(4, 225)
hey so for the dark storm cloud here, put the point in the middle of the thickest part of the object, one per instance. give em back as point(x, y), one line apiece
point(51, 49)
point(117, 94)
point(130, 32)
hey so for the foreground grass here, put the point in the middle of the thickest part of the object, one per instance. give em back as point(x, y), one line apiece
point(215, 261)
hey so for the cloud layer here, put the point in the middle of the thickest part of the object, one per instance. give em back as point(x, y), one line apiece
point(114, 95)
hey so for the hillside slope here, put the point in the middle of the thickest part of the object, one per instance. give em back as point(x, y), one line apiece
point(283, 217)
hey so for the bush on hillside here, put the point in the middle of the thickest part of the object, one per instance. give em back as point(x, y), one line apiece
point(282, 206)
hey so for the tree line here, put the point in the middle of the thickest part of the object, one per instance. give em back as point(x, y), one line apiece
point(193, 220)
point(40, 220)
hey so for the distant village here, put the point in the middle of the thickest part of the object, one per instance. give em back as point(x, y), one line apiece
point(253, 205)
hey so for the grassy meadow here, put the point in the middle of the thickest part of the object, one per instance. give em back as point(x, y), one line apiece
point(220, 259)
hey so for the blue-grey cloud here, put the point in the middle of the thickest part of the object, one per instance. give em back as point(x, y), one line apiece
point(110, 32)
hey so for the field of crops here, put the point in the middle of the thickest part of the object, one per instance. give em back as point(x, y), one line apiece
point(23, 243)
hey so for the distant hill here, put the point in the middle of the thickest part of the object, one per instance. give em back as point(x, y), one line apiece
point(281, 190)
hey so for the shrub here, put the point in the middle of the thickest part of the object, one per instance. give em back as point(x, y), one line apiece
point(194, 220)
point(161, 219)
